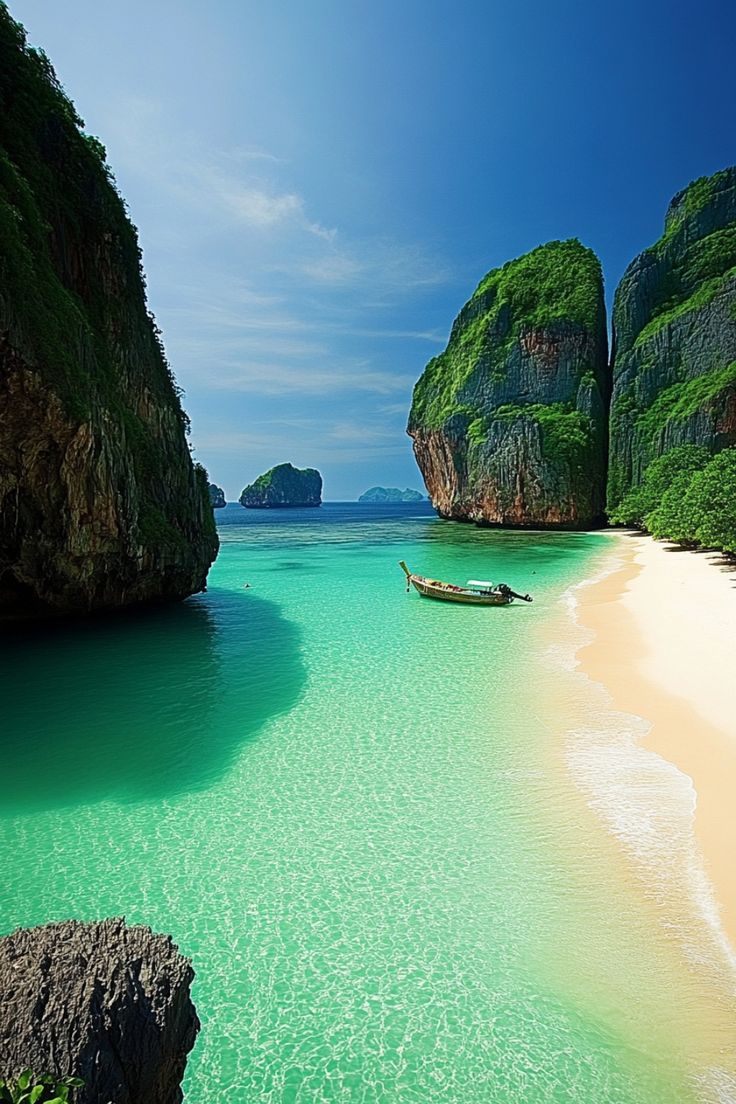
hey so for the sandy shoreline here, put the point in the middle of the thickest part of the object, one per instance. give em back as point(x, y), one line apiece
point(665, 648)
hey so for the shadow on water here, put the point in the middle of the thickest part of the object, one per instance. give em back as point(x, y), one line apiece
point(144, 707)
point(543, 545)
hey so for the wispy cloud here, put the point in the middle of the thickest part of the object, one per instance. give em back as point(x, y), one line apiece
point(258, 344)
point(242, 183)
point(253, 154)
point(227, 348)
point(247, 188)
point(247, 311)
point(393, 410)
point(332, 268)
point(359, 433)
point(264, 208)
point(258, 207)
point(266, 302)
point(270, 448)
point(382, 267)
point(432, 336)
point(273, 378)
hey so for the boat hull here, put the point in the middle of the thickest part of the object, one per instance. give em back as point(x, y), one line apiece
point(429, 589)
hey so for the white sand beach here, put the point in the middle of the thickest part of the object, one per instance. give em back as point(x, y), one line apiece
point(665, 647)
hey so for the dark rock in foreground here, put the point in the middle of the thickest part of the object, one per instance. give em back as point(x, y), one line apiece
point(217, 496)
point(674, 337)
point(509, 423)
point(284, 485)
point(100, 503)
point(101, 1001)
point(390, 494)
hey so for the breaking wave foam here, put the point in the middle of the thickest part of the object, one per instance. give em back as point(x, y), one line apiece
point(649, 805)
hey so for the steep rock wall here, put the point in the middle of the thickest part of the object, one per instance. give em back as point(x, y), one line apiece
point(101, 1001)
point(674, 336)
point(100, 504)
point(509, 423)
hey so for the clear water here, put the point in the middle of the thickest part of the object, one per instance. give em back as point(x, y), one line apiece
point(346, 804)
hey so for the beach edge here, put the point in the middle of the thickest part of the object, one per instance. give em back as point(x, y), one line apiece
point(660, 627)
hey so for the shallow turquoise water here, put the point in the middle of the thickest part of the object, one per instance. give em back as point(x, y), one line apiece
point(336, 797)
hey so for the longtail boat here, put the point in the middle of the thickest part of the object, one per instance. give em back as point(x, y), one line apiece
point(475, 593)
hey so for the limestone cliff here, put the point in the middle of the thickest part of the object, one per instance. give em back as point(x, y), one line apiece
point(102, 1001)
point(281, 486)
point(100, 504)
point(674, 337)
point(509, 422)
point(217, 496)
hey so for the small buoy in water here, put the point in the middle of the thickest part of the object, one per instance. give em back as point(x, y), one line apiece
point(246, 586)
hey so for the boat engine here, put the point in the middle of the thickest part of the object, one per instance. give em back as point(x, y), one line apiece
point(505, 589)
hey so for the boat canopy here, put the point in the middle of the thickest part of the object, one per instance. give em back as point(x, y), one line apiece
point(479, 583)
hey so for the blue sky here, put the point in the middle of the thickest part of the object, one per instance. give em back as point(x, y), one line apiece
point(319, 185)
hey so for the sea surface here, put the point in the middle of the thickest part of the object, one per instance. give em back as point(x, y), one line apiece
point(355, 810)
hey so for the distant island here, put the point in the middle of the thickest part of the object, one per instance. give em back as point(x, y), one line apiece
point(283, 486)
point(390, 494)
point(217, 496)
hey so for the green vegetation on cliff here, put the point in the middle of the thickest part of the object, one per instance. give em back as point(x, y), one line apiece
point(566, 433)
point(560, 281)
point(48, 205)
point(682, 400)
point(93, 439)
point(687, 496)
point(693, 274)
point(710, 503)
point(674, 368)
point(509, 422)
point(691, 200)
point(284, 485)
point(638, 504)
point(682, 303)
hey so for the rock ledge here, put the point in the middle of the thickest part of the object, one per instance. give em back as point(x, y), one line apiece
point(102, 1001)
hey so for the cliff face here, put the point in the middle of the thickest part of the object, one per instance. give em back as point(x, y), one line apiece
point(100, 504)
point(283, 485)
point(674, 326)
point(509, 423)
point(101, 1001)
point(217, 496)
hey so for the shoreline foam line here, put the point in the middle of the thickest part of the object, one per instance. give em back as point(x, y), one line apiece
point(658, 769)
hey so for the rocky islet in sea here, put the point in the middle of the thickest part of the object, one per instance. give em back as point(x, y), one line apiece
point(283, 486)
point(390, 494)
point(217, 496)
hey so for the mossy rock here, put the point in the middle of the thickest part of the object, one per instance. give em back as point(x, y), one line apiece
point(283, 486)
point(101, 502)
point(674, 324)
point(509, 422)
